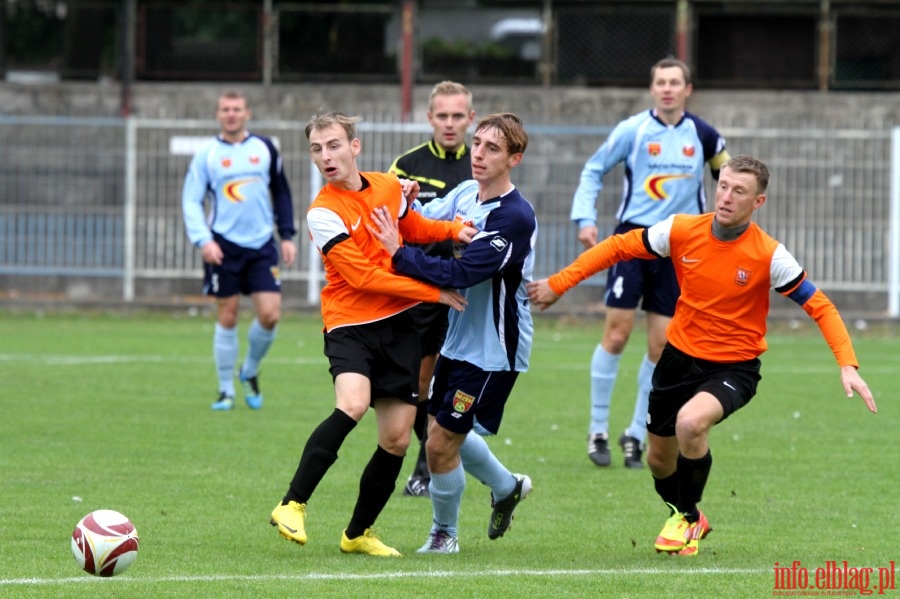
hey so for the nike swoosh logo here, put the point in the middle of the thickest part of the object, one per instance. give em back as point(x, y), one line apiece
point(687, 261)
point(356, 226)
point(288, 528)
point(727, 384)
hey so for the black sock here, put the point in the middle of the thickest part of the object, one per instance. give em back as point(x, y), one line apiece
point(667, 488)
point(319, 454)
point(420, 426)
point(422, 463)
point(691, 482)
point(375, 488)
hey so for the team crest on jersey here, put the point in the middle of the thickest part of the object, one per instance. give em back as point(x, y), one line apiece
point(688, 150)
point(462, 401)
point(226, 163)
point(742, 277)
point(499, 244)
point(254, 160)
point(654, 148)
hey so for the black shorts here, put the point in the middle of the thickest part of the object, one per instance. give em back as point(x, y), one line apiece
point(243, 270)
point(431, 326)
point(629, 281)
point(385, 351)
point(678, 377)
point(463, 396)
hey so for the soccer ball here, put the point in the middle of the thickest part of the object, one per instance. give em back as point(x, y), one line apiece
point(104, 543)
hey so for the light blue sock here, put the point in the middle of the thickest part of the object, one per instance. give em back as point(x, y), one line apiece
point(225, 351)
point(604, 368)
point(479, 461)
point(259, 340)
point(638, 427)
point(446, 495)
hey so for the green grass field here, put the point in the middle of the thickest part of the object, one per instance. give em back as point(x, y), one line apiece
point(110, 410)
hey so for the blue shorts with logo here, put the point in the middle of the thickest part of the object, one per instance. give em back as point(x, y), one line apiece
point(463, 396)
point(243, 270)
point(653, 280)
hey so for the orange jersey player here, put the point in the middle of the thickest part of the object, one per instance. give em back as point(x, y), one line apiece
point(709, 369)
point(370, 338)
point(361, 285)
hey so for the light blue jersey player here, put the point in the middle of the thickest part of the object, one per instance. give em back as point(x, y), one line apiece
point(664, 150)
point(489, 343)
point(495, 331)
point(240, 174)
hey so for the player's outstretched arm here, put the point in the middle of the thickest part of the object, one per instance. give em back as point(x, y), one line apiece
point(388, 230)
point(540, 294)
point(851, 381)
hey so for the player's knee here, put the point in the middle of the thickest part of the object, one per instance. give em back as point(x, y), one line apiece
point(615, 339)
point(268, 319)
point(437, 448)
point(661, 462)
point(691, 424)
point(396, 444)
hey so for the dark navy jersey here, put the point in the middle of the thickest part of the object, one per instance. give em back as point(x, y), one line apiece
point(490, 272)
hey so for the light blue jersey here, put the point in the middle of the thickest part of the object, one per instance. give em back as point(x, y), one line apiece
point(663, 169)
point(494, 332)
point(247, 189)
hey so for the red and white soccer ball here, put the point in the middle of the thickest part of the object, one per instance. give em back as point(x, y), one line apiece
point(104, 543)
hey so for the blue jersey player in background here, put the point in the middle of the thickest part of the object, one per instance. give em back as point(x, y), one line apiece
point(664, 150)
point(241, 175)
point(489, 343)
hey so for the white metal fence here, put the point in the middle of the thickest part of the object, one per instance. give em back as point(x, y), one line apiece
point(100, 198)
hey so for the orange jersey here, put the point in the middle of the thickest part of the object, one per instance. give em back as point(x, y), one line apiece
point(721, 312)
point(360, 284)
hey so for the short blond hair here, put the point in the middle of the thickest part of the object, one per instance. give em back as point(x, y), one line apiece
point(449, 88)
point(753, 166)
point(325, 120)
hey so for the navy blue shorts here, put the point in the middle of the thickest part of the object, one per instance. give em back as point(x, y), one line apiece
point(653, 280)
point(385, 351)
point(678, 377)
point(463, 394)
point(243, 270)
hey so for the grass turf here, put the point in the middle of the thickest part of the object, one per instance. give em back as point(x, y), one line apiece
point(111, 410)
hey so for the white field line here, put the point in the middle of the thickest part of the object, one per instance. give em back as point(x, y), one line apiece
point(391, 575)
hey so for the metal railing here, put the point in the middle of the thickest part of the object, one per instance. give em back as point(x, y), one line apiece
point(101, 198)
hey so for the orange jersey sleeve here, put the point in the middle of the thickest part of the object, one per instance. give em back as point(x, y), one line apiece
point(600, 257)
point(419, 229)
point(820, 308)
